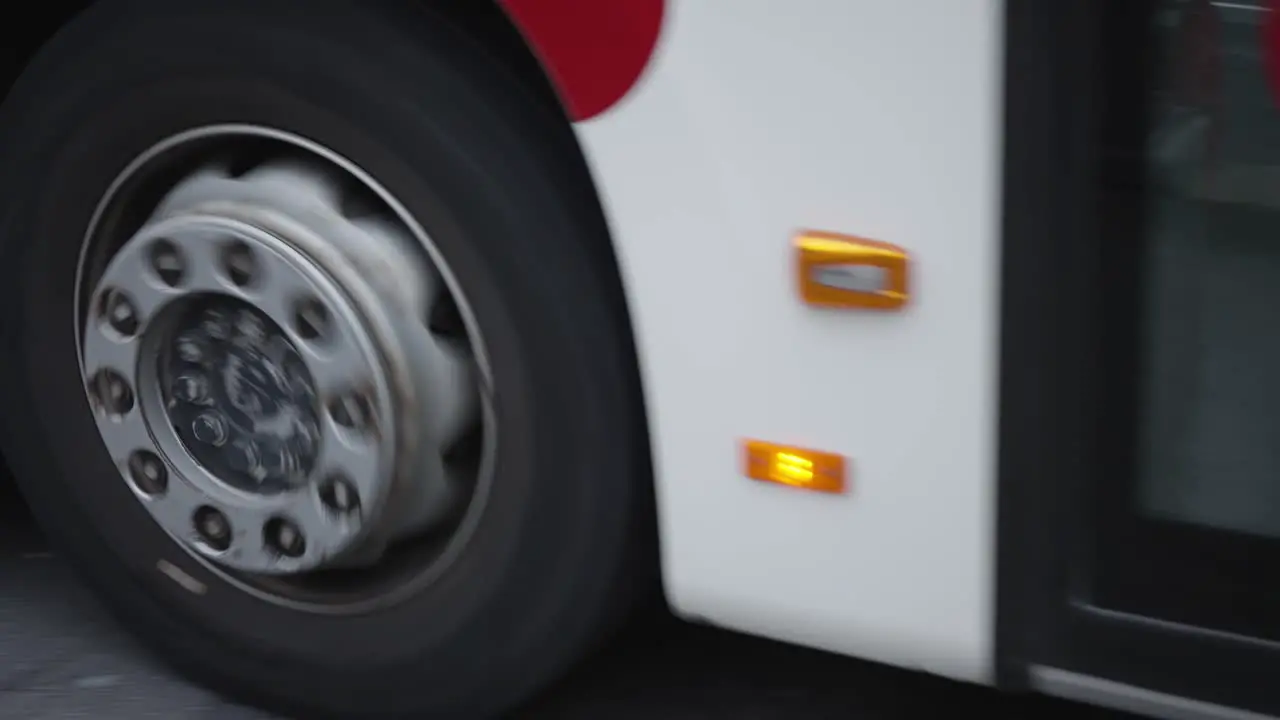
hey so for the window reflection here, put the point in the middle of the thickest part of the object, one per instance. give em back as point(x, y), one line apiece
point(1211, 446)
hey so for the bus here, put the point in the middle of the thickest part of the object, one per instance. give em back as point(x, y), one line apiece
point(380, 358)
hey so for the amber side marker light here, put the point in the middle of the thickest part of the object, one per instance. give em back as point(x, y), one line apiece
point(794, 467)
point(842, 271)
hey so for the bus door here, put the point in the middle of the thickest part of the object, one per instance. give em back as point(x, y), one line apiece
point(1139, 520)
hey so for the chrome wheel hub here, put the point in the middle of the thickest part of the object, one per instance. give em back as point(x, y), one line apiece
point(240, 397)
point(261, 366)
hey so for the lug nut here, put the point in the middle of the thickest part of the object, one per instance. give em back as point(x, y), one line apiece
point(213, 527)
point(210, 428)
point(120, 313)
point(311, 319)
point(167, 263)
point(189, 350)
point(148, 473)
point(351, 410)
point(339, 495)
point(250, 328)
point(283, 461)
point(284, 537)
point(111, 392)
point(239, 263)
point(215, 325)
point(244, 456)
point(191, 388)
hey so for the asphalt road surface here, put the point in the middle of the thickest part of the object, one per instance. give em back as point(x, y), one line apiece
point(61, 657)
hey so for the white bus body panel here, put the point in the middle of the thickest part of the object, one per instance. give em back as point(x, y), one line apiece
point(879, 118)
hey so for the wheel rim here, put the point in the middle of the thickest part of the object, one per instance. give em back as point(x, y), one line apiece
point(259, 339)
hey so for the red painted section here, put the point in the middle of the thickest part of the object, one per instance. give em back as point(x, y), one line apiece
point(593, 50)
point(1271, 47)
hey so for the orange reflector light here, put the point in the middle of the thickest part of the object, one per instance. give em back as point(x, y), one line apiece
point(842, 271)
point(796, 467)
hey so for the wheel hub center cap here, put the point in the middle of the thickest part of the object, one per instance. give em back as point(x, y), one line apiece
point(241, 398)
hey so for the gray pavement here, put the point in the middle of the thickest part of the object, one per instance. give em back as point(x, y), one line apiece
point(62, 657)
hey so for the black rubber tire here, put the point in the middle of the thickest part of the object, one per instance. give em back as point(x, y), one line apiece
point(493, 176)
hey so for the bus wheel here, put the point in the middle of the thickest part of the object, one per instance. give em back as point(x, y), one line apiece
point(318, 366)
